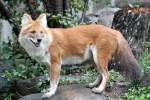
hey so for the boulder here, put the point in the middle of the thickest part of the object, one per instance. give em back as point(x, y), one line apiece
point(102, 16)
point(106, 16)
point(69, 92)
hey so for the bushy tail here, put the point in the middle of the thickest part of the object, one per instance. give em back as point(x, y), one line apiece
point(126, 62)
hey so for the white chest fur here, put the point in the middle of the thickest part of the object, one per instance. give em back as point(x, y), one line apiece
point(38, 53)
point(43, 58)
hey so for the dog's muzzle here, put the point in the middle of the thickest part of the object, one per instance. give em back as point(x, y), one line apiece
point(37, 43)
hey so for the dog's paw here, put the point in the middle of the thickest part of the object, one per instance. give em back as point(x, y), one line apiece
point(90, 85)
point(47, 95)
point(97, 90)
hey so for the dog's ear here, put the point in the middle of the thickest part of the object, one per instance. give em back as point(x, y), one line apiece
point(26, 20)
point(42, 19)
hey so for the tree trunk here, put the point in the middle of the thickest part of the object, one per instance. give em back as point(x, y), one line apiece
point(4, 11)
point(134, 24)
point(7, 14)
point(55, 7)
point(66, 4)
point(32, 6)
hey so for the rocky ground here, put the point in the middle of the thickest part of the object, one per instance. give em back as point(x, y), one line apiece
point(79, 92)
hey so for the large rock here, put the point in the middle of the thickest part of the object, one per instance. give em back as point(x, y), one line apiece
point(106, 16)
point(70, 92)
point(102, 16)
point(5, 31)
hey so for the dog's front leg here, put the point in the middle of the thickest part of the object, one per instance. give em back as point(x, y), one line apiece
point(54, 74)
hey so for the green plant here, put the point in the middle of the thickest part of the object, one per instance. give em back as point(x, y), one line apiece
point(22, 66)
point(115, 77)
point(137, 93)
point(78, 5)
point(9, 96)
point(145, 60)
point(145, 57)
point(59, 19)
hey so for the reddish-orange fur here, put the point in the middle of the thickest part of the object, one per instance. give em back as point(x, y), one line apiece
point(74, 41)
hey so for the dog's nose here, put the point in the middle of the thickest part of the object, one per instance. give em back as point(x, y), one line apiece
point(39, 40)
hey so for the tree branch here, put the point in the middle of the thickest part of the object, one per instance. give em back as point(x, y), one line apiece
point(5, 11)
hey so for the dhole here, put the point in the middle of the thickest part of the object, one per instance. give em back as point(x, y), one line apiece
point(57, 46)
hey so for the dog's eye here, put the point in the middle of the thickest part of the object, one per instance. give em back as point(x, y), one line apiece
point(33, 31)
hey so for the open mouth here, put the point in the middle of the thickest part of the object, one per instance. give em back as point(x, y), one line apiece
point(36, 44)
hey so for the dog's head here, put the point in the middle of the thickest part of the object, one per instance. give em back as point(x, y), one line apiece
point(34, 32)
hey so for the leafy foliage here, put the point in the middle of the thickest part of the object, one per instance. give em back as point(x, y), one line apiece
point(145, 57)
point(59, 19)
point(77, 4)
point(137, 93)
point(24, 66)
